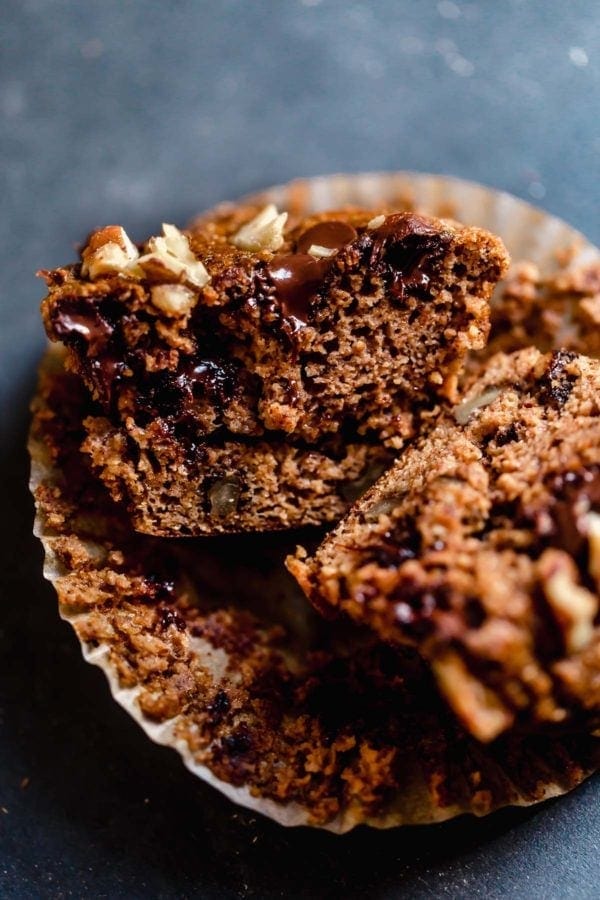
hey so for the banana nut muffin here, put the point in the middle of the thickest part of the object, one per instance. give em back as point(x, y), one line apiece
point(481, 547)
point(303, 720)
point(245, 373)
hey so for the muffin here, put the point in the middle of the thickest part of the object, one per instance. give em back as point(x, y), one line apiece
point(252, 377)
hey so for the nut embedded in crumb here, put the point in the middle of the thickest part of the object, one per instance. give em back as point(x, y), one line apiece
point(173, 299)
point(109, 251)
point(263, 232)
point(464, 410)
point(170, 257)
point(573, 605)
point(476, 704)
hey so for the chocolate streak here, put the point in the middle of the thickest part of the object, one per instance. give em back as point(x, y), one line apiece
point(402, 251)
point(403, 247)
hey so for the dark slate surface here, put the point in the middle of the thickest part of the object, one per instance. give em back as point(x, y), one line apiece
point(138, 112)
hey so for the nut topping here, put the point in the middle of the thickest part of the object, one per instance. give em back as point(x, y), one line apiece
point(478, 706)
point(574, 607)
point(173, 299)
point(377, 222)
point(170, 258)
point(108, 252)
point(320, 252)
point(263, 232)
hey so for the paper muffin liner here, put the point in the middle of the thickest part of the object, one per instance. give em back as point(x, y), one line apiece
point(528, 232)
point(199, 656)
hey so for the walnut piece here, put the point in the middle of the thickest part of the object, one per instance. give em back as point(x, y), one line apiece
point(263, 232)
point(483, 712)
point(592, 521)
point(173, 299)
point(109, 252)
point(464, 410)
point(574, 607)
point(321, 252)
point(377, 222)
point(170, 258)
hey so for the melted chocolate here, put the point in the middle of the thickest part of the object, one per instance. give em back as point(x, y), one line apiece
point(172, 395)
point(296, 277)
point(407, 245)
point(557, 384)
point(207, 378)
point(331, 234)
point(82, 322)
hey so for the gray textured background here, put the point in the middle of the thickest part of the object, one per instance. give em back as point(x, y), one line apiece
point(136, 112)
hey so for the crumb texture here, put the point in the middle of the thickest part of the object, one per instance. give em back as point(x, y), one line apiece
point(212, 642)
point(219, 347)
point(481, 547)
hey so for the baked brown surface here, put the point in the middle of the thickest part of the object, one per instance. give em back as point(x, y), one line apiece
point(561, 310)
point(481, 547)
point(212, 343)
point(207, 643)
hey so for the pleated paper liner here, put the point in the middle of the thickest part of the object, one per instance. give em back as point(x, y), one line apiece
point(211, 649)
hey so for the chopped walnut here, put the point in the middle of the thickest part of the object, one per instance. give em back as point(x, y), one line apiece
point(109, 252)
point(321, 252)
point(592, 521)
point(574, 607)
point(173, 299)
point(482, 711)
point(377, 222)
point(224, 496)
point(170, 257)
point(464, 410)
point(263, 232)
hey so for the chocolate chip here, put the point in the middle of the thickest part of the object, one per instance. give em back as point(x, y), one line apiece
point(506, 435)
point(296, 277)
point(408, 247)
point(238, 742)
point(331, 234)
point(219, 705)
point(169, 616)
point(556, 384)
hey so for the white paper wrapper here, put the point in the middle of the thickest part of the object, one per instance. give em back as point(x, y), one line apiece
point(76, 545)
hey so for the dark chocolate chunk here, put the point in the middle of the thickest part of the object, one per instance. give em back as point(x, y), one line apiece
point(220, 705)
point(238, 742)
point(557, 384)
point(296, 277)
point(81, 322)
point(408, 247)
point(331, 234)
